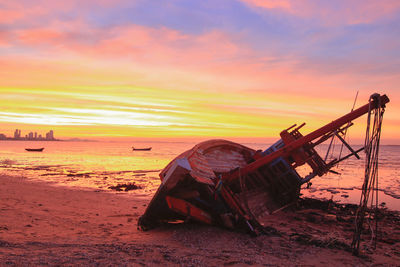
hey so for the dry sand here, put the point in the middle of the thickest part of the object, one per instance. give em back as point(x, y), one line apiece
point(43, 224)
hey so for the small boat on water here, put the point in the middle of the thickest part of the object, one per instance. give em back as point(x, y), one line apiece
point(141, 149)
point(35, 149)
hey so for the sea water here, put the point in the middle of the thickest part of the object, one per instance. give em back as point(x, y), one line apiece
point(99, 165)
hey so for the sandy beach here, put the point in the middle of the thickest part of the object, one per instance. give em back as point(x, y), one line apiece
point(44, 224)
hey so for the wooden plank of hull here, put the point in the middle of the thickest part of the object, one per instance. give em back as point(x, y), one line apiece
point(223, 159)
point(201, 170)
point(158, 210)
point(258, 201)
point(213, 156)
point(217, 156)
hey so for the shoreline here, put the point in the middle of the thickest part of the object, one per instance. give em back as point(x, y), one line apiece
point(45, 224)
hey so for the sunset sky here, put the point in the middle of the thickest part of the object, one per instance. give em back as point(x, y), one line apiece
point(220, 68)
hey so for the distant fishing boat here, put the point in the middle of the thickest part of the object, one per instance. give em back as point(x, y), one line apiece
point(34, 149)
point(141, 149)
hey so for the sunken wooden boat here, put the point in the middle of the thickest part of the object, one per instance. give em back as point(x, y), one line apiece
point(141, 149)
point(224, 183)
point(35, 149)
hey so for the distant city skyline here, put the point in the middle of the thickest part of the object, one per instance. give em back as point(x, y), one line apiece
point(31, 136)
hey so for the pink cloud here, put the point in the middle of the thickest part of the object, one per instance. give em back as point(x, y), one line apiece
point(270, 4)
point(35, 12)
point(159, 46)
point(38, 36)
point(214, 53)
point(14, 11)
point(4, 40)
point(341, 12)
point(9, 16)
point(368, 11)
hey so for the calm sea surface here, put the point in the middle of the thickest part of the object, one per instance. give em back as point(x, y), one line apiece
point(98, 165)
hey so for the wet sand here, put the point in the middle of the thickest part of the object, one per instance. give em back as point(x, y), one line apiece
point(43, 224)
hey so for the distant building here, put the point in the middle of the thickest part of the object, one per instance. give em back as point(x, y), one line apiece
point(50, 135)
point(17, 134)
point(3, 137)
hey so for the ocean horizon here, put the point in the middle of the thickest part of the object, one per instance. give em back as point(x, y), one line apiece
point(101, 164)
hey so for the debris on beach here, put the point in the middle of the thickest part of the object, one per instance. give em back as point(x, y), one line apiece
point(80, 174)
point(8, 162)
point(228, 184)
point(124, 187)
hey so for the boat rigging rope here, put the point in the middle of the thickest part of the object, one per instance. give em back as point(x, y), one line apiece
point(331, 148)
point(370, 186)
point(345, 130)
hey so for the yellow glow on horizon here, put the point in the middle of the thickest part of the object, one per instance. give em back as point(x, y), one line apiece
point(91, 100)
point(134, 112)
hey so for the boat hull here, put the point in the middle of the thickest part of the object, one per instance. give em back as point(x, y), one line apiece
point(34, 149)
point(190, 188)
point(141, 149)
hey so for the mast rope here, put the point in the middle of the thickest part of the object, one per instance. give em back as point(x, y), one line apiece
point(345, 130)
point(333, 140)
point(370, 186)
